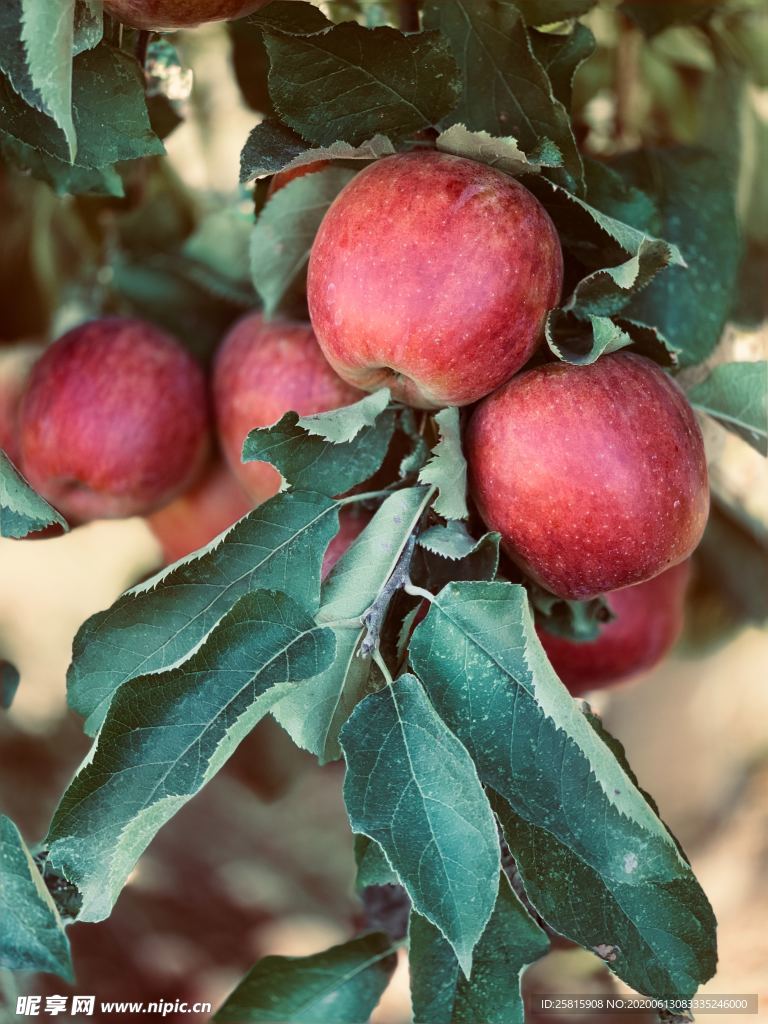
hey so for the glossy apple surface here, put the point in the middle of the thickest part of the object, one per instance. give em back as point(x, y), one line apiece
point(114, 421)
point(432, 274)
point(264, 369)
point(594, 476)
point(196, 517)
point(648, 620)
point(16, 362)
point(160, 14)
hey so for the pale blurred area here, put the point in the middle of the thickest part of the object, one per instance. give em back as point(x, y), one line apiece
point(262, 861)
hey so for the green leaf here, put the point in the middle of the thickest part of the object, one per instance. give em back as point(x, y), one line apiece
point(441, 995)
point(649, 341)
point(89, 24)
point(412, 788)
point(612, 194)
point(736, 395)
point(452, 541)
point(314, 463)
point(433, 570)
point(36, 44)
point(581, 342)
point(731, 562)
point(157, 624)
point(596, 862)
point(606, 291)
point(416, 448)
point(546, 12)
point(447, 469)
point(283, 235)
point(273, 147)
point(32, 937)
point(626, 260)
point(63, 178)
point(293, 17)
point(251, 64)
point(690, 306)
point(109, 109)
point(341, 426)
point(249, 54)
point(561, 56)
point(22, 510)
point(503, 153)
point(506, 90)
point(9, 683)
point(342, 985)
point(166, 734)
point(351, 83)
point(373, 868)
point(601, 240)
point(314, 715)
point(575, 620)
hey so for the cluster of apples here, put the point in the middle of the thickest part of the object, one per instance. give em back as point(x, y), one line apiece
point(115, 419)
point(432, 275)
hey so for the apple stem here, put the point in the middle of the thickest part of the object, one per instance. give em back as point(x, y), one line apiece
point(382, 665)
point(367, 496)
point(414, 591)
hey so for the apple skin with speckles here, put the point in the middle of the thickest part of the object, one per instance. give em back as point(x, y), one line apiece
point(648, 620)
point(164, 14)
point(114, 421)
point(595, 476)
point(432, 274)
point(264, 369)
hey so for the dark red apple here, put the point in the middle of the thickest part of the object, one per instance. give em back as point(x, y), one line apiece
point(432, 274)
point(16, 364)
point(263, 370)
point(114, 421)
point(193, 519)
point(594, 476)
point(283, 178)
point(159, 14)
point(648, 620)
point(352, 522)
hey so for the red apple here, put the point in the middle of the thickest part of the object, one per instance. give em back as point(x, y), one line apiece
point(114, 421)
point(263, 370)
point(283, 178)
point(202, 513)
point(16, 364)
point(432, 274)
point(594, 476)
point(352, 522)
point(649, 617)
point(160, 14)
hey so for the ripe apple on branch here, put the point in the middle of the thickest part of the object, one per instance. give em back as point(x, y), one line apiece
point(413, 440)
